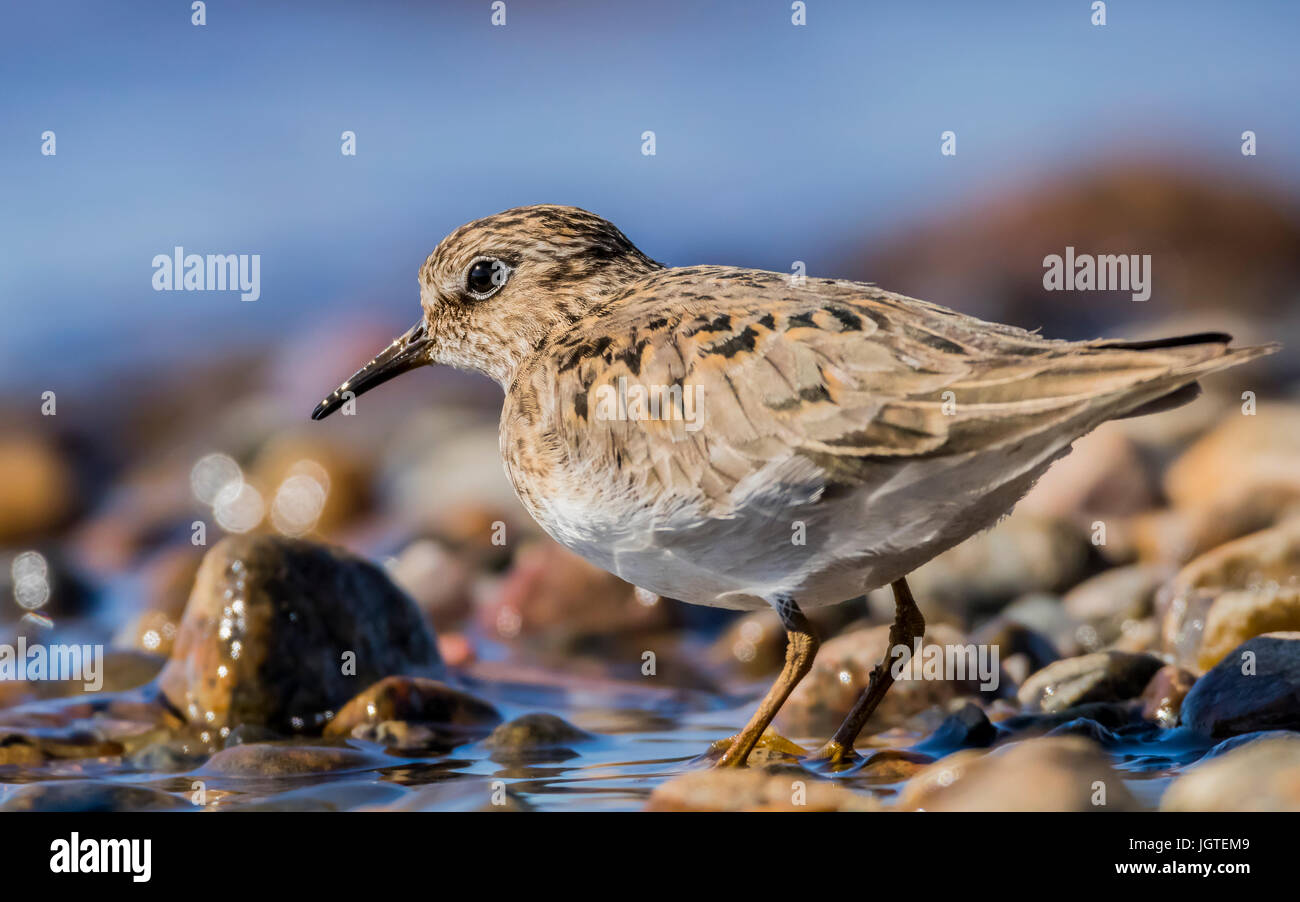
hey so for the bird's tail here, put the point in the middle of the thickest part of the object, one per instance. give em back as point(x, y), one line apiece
point(1186, 358)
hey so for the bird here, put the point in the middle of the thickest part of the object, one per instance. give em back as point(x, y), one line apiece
point(748, 439)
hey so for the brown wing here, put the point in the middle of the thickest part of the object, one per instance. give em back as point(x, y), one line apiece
point(836, 372)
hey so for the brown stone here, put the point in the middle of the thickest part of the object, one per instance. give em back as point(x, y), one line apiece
point(1058, 773)
point(417, 700)
point(755, 789)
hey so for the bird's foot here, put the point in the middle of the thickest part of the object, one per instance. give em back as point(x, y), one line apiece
point(834, 755)
point(770, 747)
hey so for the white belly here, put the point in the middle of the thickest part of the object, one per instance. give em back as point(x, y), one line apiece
point(784, 539)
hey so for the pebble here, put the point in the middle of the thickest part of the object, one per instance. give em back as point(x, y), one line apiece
point(1162, 699)
point(1115, 598)
point(88, 796)
point(1022, 554)
point(281, 633)
point(1236, 616)
point(755, 789)
point(1260, 452)
point(38, 490)
point(1255, 687)
point(453, 713)
point(1260, 775)
point(1059, 773)
point(1256, 577)
point(1099, 677)
point(535, 731)
point(273, 760)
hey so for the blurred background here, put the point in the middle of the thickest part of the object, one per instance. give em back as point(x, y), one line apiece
point(774, 144)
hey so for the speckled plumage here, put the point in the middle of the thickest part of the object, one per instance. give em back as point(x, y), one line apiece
point(885, 429)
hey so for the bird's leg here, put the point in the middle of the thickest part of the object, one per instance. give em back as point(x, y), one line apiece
point(908, 626)
point(801, 646)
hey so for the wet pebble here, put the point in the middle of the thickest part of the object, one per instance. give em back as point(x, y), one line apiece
point(535, 731)
point(1098, 677)
point(1162, 699)
point(453, 713)
point(1255, 578)
point(1236, 616)
point(281, 632)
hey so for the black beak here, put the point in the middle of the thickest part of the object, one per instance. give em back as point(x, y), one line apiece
point(406, 353)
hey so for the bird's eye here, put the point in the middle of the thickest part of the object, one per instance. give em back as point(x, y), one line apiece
point(485, 275)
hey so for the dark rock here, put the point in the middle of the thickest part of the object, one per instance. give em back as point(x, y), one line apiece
point(1227, 701)
point(1098, 677)
point(270, 626)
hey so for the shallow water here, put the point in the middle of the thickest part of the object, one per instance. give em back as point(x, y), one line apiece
point(641, 738)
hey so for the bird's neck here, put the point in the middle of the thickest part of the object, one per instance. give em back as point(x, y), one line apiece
point(528, 332)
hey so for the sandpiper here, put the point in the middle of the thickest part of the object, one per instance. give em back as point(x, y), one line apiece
point(844, 435)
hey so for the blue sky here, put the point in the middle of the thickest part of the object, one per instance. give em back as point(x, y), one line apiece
point(774, 143)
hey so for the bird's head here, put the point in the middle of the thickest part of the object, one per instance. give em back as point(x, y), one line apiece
point(495, 288)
